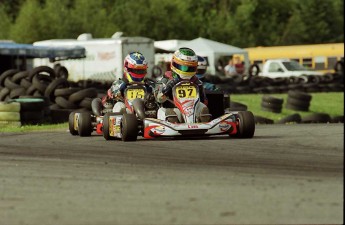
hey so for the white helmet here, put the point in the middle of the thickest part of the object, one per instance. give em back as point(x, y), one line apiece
point(202, 66)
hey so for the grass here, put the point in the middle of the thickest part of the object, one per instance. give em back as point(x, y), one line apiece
point(15, 127)
point(331, 103)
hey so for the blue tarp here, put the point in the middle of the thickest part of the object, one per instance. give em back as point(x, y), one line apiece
point(31, 51)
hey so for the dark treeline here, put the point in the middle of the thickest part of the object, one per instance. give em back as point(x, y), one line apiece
point(242, 23)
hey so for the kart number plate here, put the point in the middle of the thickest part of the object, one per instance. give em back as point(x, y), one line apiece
point(186, 92)
point(135, 93)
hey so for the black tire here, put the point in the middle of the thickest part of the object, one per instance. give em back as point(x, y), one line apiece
point(273, 100)
point(246, 124)
point(41, 82)
point(106, 126)
point(96, 106)
point(316, 118)
point(10, 84)
point(71, 124)
point(300, 95)
point(7, 73)
point(40, 69)
point(80, 95)
point(297, 102)
point(31, 117)
point(3, 93)
point(62, 72)
point(297, 108)
point(66, 92)
point(57, 83)
point(262, 120)
point(19, 76)
point(65, 104)
point(86, 103)
point(84, 124)
point(337, 119)
point(294, 118)
point(266, 106)
point(129, 127)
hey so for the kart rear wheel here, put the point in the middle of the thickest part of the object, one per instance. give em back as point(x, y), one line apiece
point(246, 124)
point(71, 124)
point(129, 127)
point(106, 126)
point(84, 124)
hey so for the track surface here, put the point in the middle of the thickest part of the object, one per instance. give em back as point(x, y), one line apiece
point(286, 174)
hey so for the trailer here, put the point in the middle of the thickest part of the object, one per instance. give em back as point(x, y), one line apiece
point(104, 56)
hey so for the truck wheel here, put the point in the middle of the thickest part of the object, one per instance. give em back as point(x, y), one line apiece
point(106, 126)
point(84, 124)
point(129, 127)
point(246, 124)
point(71, 124)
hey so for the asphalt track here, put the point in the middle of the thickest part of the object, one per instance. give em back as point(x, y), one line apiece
point(286, 174)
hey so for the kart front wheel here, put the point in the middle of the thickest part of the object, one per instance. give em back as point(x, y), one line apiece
point(84, 124)
point(246, 124)
point(106, 126)
point(129, 127)
point(71, 124)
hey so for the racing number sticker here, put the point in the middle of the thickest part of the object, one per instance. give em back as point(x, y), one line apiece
point(186, 92)
point(135, 93)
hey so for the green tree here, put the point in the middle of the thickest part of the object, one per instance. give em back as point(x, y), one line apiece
point(5, 23)
point(26, 28)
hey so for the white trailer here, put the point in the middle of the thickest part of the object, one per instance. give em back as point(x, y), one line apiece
point(104, 56)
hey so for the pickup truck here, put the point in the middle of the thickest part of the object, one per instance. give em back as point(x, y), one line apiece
point(274, 68)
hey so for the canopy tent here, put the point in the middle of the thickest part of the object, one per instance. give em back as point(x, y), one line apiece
point(213, 51)
point(15, 55)
point(167, 45)
point(31, 51)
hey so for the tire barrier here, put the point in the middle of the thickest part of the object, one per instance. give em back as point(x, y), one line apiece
point(271, 104)
point(298, 101)
point(58, 95)
point(316, 118)
point(10, 113)
point(253, 83)
point(262, 120)
point(293, 118)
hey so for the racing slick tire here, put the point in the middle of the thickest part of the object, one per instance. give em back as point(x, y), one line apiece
point(84, 124)
point(71, 124)
point(106, 126)
point(129, 127)
point(246, 124)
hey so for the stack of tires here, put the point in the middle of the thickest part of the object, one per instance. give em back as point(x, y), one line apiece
point(298, 101)
point(33, 110)
point(56, 92)
point(10, 113)
point(271, 104)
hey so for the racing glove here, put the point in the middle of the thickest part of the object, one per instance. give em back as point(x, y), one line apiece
point(169, 85)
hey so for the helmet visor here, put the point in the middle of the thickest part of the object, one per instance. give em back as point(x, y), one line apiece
point(137, 71)
point(184, 68)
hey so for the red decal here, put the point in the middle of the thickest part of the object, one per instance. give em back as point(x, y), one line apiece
point(99, 128)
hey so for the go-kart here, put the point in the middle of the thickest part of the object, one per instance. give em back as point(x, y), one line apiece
point(186, 97)
point(84, 123)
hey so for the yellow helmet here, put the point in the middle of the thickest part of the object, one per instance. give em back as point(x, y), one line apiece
point(184, 63)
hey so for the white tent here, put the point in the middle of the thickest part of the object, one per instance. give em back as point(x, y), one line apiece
point(214, 50)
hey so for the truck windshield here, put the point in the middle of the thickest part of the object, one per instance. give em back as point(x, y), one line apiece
point(294, 66)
